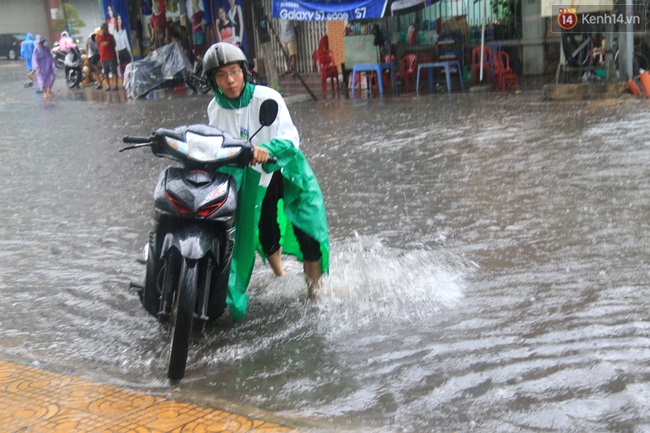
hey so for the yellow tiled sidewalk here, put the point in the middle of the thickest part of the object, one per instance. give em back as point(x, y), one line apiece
point(33, 400)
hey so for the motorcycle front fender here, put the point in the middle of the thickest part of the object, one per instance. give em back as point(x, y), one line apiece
point(191, 242)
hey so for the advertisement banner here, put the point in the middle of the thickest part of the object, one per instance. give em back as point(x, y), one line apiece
point(301, 10)
point(114, 9)
point(334, 10)
point(116, 13)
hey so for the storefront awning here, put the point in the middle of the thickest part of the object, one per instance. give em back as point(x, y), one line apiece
point(405, 6)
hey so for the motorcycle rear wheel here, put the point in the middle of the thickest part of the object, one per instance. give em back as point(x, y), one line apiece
point(181, 327)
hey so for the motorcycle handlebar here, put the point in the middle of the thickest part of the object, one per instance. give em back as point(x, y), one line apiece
point(132, 139)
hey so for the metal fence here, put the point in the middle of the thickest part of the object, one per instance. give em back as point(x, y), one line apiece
point(308, 34)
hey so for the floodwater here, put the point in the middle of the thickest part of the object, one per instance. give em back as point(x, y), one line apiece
point(489, 264)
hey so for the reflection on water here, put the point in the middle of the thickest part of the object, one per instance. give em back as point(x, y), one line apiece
point(488, 265)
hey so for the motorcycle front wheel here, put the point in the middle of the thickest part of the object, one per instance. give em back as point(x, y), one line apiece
point(197, 83)
point(203, 87)
point(150, 294)
point(73, 78)
point(181, 325)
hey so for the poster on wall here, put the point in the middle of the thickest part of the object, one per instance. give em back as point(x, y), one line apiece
point(114, 10)
point(227, 17)
point(116, 14)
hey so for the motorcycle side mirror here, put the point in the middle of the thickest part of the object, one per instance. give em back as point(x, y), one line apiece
point(268, 112)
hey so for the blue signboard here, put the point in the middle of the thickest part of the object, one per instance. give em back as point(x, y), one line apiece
point(330, 10)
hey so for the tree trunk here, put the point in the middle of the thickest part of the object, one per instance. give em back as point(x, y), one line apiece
point(259, 17)
point(269, 65)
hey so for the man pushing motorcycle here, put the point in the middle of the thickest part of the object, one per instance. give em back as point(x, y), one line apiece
point(288, 187)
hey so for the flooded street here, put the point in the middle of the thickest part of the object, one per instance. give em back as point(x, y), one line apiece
point(488, 264)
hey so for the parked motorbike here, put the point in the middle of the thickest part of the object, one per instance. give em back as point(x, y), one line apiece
point(256, 78)
point(197, 81)
point(165, 67)
point(190, 248)
point(58, 56)
point(73, 64)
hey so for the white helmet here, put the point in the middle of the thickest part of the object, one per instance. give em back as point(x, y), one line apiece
point(222, 54)
point(64, 33)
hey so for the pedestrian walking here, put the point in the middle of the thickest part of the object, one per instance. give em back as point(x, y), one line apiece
point(288, 40)
point(26, 53)
point(92, 60)
point(107, 54)
point(43, 64)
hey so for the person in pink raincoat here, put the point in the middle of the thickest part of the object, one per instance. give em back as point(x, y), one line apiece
point(66, 43)
point(43, 64)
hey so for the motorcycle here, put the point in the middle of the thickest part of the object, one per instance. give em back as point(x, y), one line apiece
point(197, 80)
point(256, 78)
point(190, 248)
point(165, 67)
point(73, 68)
point(58, 56)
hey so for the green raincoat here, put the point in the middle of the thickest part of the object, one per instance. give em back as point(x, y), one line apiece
point(303, 203)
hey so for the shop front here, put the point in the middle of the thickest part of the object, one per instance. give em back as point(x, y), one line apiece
point(198, 23)
point(430, 30)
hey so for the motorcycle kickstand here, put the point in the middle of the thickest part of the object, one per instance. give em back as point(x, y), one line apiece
point(135, 286)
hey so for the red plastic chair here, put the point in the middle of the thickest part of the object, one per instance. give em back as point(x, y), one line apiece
point(476, 64)
point(323, 45)
point(315, 57)
point(328, 69)
point(408, 70)
point(504, 76)
point(388, 58)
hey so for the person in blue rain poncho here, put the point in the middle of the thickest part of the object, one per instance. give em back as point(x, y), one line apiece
point(26, 52)
point(282, 202)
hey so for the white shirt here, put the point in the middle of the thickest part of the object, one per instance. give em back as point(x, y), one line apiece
point(287, 33)
point(122, 41)
point(244, 122)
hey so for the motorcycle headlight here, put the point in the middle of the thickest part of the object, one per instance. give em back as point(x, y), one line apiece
point(203, 148)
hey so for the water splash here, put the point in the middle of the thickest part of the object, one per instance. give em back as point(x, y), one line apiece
point(370, 282)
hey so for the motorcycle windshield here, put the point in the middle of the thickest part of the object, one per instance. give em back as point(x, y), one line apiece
point(204, 148)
